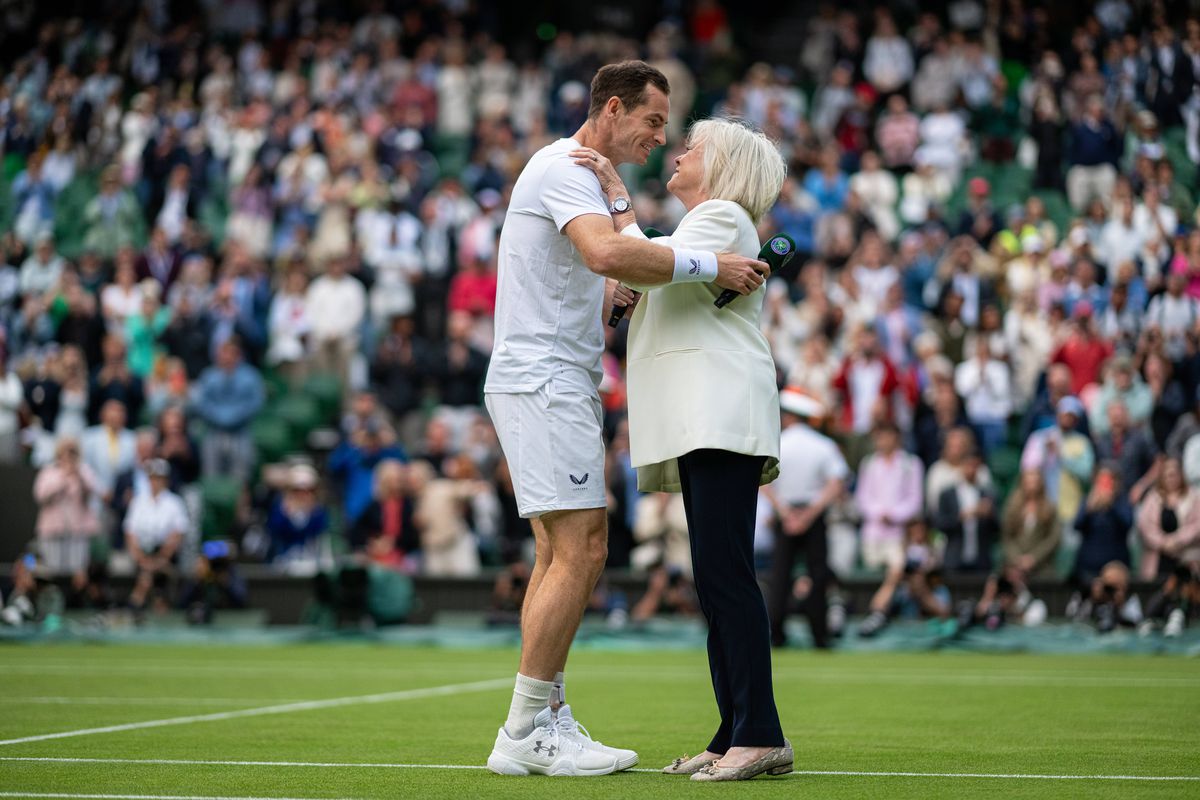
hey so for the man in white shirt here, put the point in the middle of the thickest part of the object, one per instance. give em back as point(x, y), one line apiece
point(560, 259)
point(812, 476)
point(1173, 313)
point(41, 271)
point(337, 303)
point(983, 382)
point(392, 247)
point(154, 529)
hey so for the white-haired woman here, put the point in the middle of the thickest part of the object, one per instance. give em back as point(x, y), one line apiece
point(704, 420)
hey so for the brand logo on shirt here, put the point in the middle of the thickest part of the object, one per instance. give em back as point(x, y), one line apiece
point(695, 270)
point(578, 481)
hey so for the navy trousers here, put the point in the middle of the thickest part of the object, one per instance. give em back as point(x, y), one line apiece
point(720, 491)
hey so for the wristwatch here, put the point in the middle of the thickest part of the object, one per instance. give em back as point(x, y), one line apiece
point(620, 205)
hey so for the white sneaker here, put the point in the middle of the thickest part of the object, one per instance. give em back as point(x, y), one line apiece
point(547, 751)
point(1175, 623)
point(569, 727)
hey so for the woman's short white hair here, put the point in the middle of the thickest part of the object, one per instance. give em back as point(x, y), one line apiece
point(740, 164)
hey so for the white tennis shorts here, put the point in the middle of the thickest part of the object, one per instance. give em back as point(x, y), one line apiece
point(554, 444)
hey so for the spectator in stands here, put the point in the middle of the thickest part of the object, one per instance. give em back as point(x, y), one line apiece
point(1065, 458)
point(940, 411)
point(827, 184)
point(112, 216)
point(1123, 385)
point(123, 298)
point(912, 585)
point(966, 514)
point(1131, 447)
point(289, 325)
point(155, 527)
point(448, 546)
point(160, 262)
point(177, 447)
point(889, 494)
point(391, 241)
point(144, 330)
point(1093, 152)
point(898, 134)
point(1101, 570)
point(189, 335)
point(404, 360)
point(384, 531)
point(1172, 315)
point(462, 365)
point(1046, 130)
point(887, 60)
point(866, 384)
point(65, 491)
point(1030, 530)
point(946, 470)
point(1083, 351)
point(109, 448)
point(41, 271)
point(296, 520)
point(983, 383)
point(132, 482)
point(337, 307)
point(33, 202)
point(113, 380)
point(1183, 429)
point(227, 396)
point(11, 401)
point(879, 191)
point(1169, 524)
point(355, 461)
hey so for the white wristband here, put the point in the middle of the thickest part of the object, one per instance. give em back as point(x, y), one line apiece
point(694, 266)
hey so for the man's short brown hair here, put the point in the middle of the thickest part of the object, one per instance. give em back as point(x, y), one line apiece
point(627, 82)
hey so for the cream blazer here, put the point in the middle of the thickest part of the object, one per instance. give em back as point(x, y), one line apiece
point(700, 377)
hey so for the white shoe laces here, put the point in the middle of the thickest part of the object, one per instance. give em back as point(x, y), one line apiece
point(560, 736)
point(571, 728)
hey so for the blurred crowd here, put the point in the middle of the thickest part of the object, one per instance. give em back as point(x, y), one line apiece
point(211, 218)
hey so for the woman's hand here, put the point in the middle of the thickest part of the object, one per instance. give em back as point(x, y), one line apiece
point(610, 182)
point(623, 296)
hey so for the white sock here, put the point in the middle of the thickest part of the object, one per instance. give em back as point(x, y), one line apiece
point(529, 697)
point(558, 697)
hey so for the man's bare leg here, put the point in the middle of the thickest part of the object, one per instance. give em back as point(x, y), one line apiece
point(572, 547)
point(543, 554)
point(553, 609)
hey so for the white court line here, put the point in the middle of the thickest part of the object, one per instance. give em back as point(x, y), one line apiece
point(285, 708)
point(142, 796)
point(366, 765)
point(135, 701)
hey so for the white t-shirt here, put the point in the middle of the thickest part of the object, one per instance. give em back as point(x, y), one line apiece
point(152, 519)
point(807, 461)
point(547, 301)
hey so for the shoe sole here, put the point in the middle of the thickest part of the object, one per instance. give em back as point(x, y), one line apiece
point(505, 765)
point(778, 769)
point(628, 763)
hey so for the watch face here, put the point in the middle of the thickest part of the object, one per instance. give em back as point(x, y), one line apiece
point(620, 205)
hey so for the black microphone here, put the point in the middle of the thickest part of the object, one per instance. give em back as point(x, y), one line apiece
point(618, 312)
point(778, 251)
